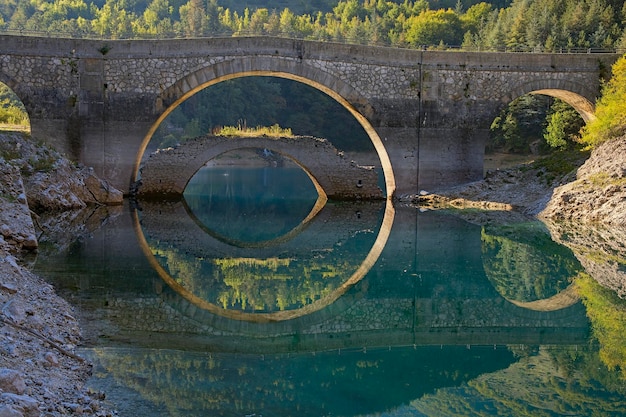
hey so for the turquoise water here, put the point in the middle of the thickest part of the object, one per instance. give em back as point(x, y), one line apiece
point(362, 309)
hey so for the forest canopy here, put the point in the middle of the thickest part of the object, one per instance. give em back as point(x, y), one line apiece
point(526, 25)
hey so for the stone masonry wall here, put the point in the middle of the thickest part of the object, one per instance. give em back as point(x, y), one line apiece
point(99, 99)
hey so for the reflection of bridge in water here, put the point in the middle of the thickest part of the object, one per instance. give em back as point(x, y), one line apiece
point(427, 287)
point(176, 227)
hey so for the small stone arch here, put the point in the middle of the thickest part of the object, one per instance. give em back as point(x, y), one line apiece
point(168, 171)
point(14, 87)
point(580, 97)
point(272, 66)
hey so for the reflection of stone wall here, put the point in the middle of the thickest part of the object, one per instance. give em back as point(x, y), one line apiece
point(171, 223)
point(600, 249)
point(168, 171)
point(365, 322)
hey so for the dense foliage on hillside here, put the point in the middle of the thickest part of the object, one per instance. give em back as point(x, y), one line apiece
point(504, 24)
point(263, 101)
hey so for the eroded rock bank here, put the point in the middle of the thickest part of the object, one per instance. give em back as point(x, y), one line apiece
point(598, 194)
point(584, 210)
point(588, 215)
point(40, 372)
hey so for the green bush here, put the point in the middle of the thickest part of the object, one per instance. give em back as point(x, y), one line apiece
point(610, 114)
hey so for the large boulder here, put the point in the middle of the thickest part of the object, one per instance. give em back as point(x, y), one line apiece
point(52, 182)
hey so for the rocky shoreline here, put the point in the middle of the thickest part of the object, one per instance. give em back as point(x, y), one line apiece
point(584, 210)
point(40, 372)
point(593, 193)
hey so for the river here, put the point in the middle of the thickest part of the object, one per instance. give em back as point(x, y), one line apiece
point(252, 298)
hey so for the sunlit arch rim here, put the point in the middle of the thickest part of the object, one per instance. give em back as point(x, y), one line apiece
point(580, 97)
point(389, 177)
point(320, 202)
point(358, 275)
point(566, 298)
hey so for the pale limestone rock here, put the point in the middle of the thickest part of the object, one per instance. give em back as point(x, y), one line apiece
point(11, 381)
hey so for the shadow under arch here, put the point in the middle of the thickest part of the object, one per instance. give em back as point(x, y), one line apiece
point(320, 202)
point(279, 316)
point(580, 97)
point(270, 67)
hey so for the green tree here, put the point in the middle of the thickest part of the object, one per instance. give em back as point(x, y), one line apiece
point(564, 124)
point(519, 125)
point(193, 18)
point(476, 17)
point(434, 26)
point(610, 114)
point(287, 22)
point(607, 313)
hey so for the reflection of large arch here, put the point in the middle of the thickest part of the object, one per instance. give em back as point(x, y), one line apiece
point(272, 67)
point(566, 298)
point(358, 275)
point(581, 98)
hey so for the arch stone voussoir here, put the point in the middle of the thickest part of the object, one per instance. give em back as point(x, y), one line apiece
point(555, 84)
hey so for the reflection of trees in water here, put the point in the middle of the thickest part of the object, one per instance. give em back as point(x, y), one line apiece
point(271, 284)
point(546, 381)
point(602, 251)
point(524, 264)
point(345, 383)
point(607, 313)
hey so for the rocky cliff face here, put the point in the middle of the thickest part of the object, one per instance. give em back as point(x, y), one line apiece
point(601, 250)
point(52, 182)
point(589, 215)
point(598, 195)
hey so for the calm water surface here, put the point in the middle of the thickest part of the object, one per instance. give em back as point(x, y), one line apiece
point(247, 298)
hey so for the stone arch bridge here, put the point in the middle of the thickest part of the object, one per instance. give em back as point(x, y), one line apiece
point(427, 112)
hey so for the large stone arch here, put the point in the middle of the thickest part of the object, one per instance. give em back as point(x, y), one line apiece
point(580, 97)
point(274, 66)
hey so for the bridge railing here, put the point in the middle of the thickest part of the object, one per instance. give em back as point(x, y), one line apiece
point(4, 30)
